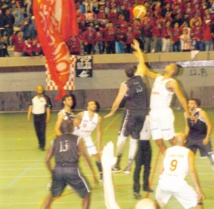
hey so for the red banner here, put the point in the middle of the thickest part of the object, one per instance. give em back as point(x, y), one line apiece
point(56, 22)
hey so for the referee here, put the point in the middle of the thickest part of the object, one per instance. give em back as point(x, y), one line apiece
point(40, 106)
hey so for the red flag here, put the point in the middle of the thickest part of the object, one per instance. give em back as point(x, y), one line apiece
point(54, 21)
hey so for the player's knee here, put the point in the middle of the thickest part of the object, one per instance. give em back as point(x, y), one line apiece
point(121, 139)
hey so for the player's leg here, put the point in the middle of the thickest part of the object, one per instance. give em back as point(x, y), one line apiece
point(138, 164)
point(48, 201)
point(76, 180)
point(206, 151)
point(133, 128)
point(162, 197)
point(57, 187)
point(167, 125)
point(86, 201)
point(147, 155)
point(156, 130)
point(188, 197)
point(92, 151)
point(121, 140)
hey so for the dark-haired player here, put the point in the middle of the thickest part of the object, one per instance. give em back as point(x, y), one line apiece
point(65, 113)
point(198, 133)
point(161, 115)
point(89, 121)
point(66, 149)
point(133, 90)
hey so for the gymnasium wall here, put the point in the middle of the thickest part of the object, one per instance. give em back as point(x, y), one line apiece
point(20, 76)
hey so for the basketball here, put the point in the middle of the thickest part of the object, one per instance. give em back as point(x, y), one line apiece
point(139, 11)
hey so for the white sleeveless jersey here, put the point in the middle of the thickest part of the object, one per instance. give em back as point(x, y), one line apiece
point(161, 97)
point(176, 163)
point(87, 125)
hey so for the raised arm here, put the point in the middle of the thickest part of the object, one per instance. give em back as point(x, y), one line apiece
point(142, 69)
point(174, 86)
point(186, 124)
point(108, 160)
point(122, 92)
point(208, 123)
point(58, 124)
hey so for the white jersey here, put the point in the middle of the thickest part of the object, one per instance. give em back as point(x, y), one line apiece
point(145, 133)
point(161, 97)
point(175, 168)
point(87, 125)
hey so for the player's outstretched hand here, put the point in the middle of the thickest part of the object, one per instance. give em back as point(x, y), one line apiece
point(108, 115)
point(135, 45)
point(108, 159)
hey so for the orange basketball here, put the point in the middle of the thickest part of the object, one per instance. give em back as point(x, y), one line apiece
point(139, 11)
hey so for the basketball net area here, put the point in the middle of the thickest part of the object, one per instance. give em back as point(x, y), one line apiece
point(50, 84)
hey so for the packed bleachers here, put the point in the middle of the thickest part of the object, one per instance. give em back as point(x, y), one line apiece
point(109, 27)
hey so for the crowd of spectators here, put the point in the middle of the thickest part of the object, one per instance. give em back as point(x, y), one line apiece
point(108, 27)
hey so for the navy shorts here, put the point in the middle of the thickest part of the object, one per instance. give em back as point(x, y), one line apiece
point(63, 176)
point(194, 145)
point(132, 123)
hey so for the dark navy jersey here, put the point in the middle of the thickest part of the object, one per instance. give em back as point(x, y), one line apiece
point(136, 95)
point(65, 150)
point(197, 130)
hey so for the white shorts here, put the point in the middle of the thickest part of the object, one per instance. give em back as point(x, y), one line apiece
point(91, 148)
point(187, 196)
point(162, 124)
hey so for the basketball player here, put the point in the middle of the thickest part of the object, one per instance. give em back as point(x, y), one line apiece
point(40, 106)
point(66, 149)
point(143, 157)
point(178, 161)
point(134, 92)
point(89, 121)
point(108, 160)
point(161, 115)
point(65, 113)
point(198, 133)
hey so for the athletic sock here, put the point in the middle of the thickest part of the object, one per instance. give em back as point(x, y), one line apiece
point(133, 145)
point(99, 166)
point(121, 140)
point(211, 157)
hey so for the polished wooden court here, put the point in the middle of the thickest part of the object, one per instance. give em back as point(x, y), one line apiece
point(24, 177)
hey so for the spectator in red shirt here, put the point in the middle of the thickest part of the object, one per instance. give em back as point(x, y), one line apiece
point(120, 41)
point(109, 38)
point(129, 39)
point(122, 23)
point(28, 47)
point(156, 33)
point(146, 33)
point(101, 16)
point(88, 39)
point(98, 46)
point(207, 36)
point(112, 16)
point(74, 45)
point(196, 34)
point(166, 37)
point(176, 37)
point(37, 48)
point(18, 42)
